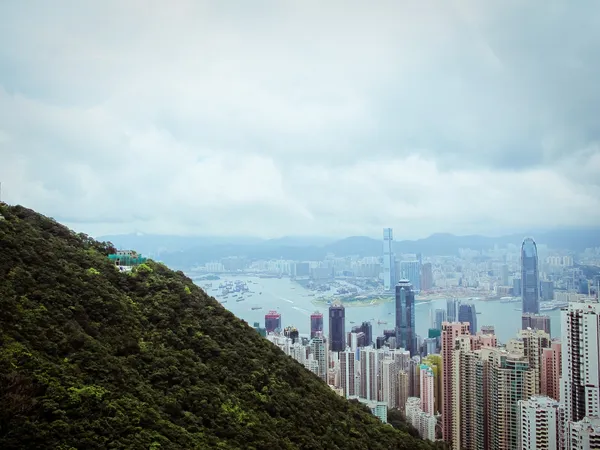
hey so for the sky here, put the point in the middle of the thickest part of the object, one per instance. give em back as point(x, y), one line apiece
point(274, 118)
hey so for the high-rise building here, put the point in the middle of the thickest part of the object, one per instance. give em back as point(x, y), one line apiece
point(509, 380)
point(411, 271)
point(272, 321)
point(551, 369)
point(316, 324)
point(452, 309)
point(530, 278)
point(403, 390)
point(541, 424)
point(580, 382)
point(516, 287)
point(389, 271)
point(535, 322)
point(369, 368)
point(435, 364)
point(426, 277)
point(337, 327)
point(547, 290)
point(291, 332)
point(467, 313)
point(504, 274)
point(389, 382)
point(531, 344)
point(450, 333)
point(406, 336)
point(348, 373)
point(367, 329)
point(427, 389)
point(584, 435)
point(318, 351)
point(440, 316)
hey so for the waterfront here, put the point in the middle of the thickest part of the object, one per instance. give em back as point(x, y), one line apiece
point(295, 305)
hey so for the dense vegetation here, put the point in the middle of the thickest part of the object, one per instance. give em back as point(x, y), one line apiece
point(94, 358)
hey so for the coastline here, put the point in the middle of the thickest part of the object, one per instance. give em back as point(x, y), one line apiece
point(360, 303)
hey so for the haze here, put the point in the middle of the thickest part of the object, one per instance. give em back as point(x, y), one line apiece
point(271, 118)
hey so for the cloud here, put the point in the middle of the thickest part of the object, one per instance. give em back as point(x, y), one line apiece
point(281, 118)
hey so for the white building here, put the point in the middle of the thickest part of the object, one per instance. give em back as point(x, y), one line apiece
point(580, 381)
point(541, 424)
point(423, 422)
point(584, 435)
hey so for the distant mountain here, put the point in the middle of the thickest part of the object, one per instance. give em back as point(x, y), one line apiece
point(185, 252)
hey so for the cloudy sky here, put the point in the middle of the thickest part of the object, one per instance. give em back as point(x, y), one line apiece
point(275, 118)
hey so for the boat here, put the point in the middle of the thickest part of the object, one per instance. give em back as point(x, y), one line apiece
point(381, 322)
point(254, 308)
point(240, 299)
point(352, 321)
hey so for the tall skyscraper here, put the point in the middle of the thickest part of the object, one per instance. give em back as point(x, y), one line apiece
point(452, 309)
point(369, 368)
point(467, 313)
point(427, 389)
point(510, 380)
point(535, 322)
point(450, 332)
point(530, 277)
point(388, 373)
point(337, 327)
point(580, 382)
point(348, 373)
point(405, 317)
point(440, 316)
point(318, 351)
point(272, 321)
point(316, 324)
point(389, 271)
point(426, 277)
point(551, 369)
point(541, 424)
point(411, 271)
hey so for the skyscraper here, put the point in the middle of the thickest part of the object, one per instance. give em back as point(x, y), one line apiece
point(535, 321)
point(316, 324)
point(272, 321)
point(337, 327)
point(452, 309)
point(411, 271)
point(580, 382)
point(427, 378)
point(530, 277)
point(467, 313)
point(440, 317)
point(551, 370)
point(389, 271)
point(541, 424)
point(450, 332)
point(426, 277)
point(405, 317)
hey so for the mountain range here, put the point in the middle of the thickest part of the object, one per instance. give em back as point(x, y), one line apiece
point(185, 252)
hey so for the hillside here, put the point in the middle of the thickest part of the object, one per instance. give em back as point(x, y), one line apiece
point(94, 358)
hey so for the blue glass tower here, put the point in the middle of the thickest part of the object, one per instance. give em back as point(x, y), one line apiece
point(406, 336)
point(530, 277)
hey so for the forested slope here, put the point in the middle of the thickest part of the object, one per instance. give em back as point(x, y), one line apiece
point(94, 358)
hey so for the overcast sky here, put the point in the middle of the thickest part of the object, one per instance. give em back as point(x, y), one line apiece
point(274, 118)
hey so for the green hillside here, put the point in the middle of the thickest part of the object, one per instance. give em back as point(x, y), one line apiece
point(93, 358)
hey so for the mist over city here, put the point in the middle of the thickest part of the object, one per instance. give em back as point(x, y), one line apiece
point(262, 224)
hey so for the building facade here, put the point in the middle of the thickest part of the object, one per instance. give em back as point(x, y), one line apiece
point(530, 278)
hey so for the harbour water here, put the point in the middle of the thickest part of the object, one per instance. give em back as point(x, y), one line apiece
point(294, 304)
